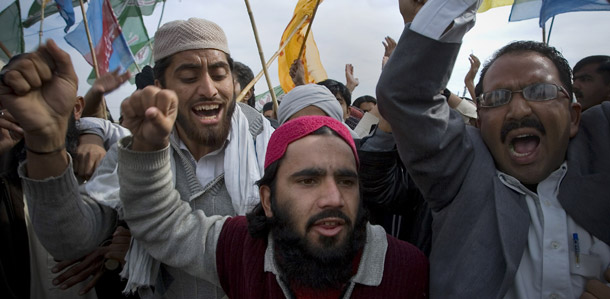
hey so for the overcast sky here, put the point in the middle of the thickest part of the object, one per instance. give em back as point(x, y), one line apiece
point(346, 31)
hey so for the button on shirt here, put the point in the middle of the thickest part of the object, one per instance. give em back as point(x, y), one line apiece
point(549, 268)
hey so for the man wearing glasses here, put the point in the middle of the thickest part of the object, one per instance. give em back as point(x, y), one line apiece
point(520, 205)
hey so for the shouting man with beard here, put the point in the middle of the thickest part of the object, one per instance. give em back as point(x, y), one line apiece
point(216, 150)
point(308, 237)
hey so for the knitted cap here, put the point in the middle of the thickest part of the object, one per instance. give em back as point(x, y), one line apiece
point(194, 33)
point(309, 95)
point(300, 127)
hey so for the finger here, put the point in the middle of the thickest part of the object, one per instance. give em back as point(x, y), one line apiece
point(17, 82)
point(166, 101)
point(598, 289)
point(118, 254)
point(120, 230)
point(10, 125)
point(125, 76)
point(91, 283)
point(120, 240)
point(64, 264)
point(81, 275)
point(63, 63)
point(587, 295)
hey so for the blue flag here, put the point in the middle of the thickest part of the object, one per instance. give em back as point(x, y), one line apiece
point(66, 11)
point(550, 8)
point(525, 9)
point(111, 49)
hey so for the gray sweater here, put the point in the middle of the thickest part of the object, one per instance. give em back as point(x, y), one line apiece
point(81, 223)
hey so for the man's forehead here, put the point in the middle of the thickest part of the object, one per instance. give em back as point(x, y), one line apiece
point(199, 57)
point(300, 152)
point(506, 72)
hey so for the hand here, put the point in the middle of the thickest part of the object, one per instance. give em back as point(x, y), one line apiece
point(109, 81)
point(389, 45)
point(39, 90)
point(297, 72)
point(121, 239)
point(410, 8)
point(351, 81)
point(383, 124)
point(472, 73)
point(89, 153)
point(80, 270)
point(475, 63)
point(10, 132)
point(150, 114)
point(597, 289)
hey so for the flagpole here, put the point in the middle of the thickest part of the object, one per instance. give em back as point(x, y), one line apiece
point(82, 8)
point(97, 72)
point(548, 37)
point(315, 9)
point(161, 17)
point(44, 4)
point(245, 90)
point(544, 33)
point(6, 50)
point(260, 53)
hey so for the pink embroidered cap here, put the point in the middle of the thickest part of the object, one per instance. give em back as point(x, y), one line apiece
point(300, 127)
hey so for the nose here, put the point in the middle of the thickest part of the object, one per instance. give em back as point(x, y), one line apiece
point(206, 88)
point(330, 195)
point(518, 107)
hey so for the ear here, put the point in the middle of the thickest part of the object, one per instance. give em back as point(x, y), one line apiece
point(575, 111)
point(79, 105)
point(158, 83)
point(265, 194)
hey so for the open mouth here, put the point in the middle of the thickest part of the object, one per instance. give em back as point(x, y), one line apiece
point(524, 145)
point(329, 226)
point(207, 111)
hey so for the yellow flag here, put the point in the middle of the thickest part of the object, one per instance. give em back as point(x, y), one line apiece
point(489, 4)
point(314, 71)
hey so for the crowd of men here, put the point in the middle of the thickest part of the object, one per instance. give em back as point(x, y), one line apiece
point(416, 193)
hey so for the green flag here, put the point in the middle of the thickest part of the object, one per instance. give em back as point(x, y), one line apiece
point(132, 25)
point(146, 6)
point(11, 34)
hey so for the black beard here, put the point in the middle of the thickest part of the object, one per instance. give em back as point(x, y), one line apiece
point(211, 138)
point(307, 266)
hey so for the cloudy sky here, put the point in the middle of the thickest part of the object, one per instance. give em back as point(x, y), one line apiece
point(346, 31)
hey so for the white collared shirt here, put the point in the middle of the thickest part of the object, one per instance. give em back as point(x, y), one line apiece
point(549, 266)
point(209, 166)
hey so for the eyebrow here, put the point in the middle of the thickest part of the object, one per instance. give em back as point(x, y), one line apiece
point(197, 66)
point(314, 171)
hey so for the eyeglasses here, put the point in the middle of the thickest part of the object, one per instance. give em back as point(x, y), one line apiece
point(536, 93)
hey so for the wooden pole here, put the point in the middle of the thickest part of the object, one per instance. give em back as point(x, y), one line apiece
point(315, 9)
point(245, 90)
point(260, 53)
point(95, 67)
point(43, 6)
point(6, 50)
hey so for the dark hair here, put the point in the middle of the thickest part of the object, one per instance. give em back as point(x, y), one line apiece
point(162, 64)
point(364, 99)
point(565, 72)
point(603, 62)
point(268, 106)
point(145, 78)
point(337, 87)
point(258, 223)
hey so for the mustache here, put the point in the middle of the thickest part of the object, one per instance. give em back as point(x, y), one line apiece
point(577, 93)
point(522, 123)
point(328, 214)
